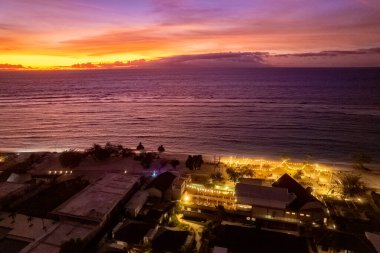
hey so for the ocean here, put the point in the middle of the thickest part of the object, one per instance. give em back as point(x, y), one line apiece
point(266, 112)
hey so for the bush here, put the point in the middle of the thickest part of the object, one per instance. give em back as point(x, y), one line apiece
point(174, 163)
point(71, 158)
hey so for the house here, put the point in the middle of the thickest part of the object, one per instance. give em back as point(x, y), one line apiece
point(305, 206)
point(161, 186)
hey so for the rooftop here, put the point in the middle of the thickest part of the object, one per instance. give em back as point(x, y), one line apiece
point(22, 229)
point(162, 182)
point(9, 188)
point(261, 192)
point(98, 199)
point(62, 231)
point(302, 195)
point(138, 199)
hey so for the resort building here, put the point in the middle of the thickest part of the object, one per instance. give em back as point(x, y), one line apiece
point(285, 200)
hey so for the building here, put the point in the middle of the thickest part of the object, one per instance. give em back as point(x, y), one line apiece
point(304, 206)
point(136, 203)
point(86, 213)
point(201, 196)
point(52, 240)
point(161, 186)
point(262, 201)
point(97, 201)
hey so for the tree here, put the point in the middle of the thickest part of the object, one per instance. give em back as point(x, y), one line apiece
point(352, 185)
point(194, 162)
point(146, 159)
point(233, 175)
point(189, 162)
point(360, 159)
point(140, 147)
point(72, 246)
point(70, 158)
point(99, 153)
point(174, 163)
point(161, 149)
point(217, 177)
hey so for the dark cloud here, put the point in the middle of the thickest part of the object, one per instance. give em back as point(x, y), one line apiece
point(334, 53)
point(231, 60)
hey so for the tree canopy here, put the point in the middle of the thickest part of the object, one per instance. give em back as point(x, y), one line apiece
point(352, 185)
point(161, 149)
point(194, 162)
point(71, 158)
point(140, 147)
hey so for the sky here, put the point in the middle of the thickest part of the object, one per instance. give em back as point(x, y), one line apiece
point(248, 33)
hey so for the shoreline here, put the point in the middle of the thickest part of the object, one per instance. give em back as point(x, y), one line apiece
point(212, 158)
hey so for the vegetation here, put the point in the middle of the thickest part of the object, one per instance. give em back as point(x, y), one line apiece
point(72, 246)
point(71, 158)
point(194, 162)
point(140, 147)
point(174, 163)
point(217, 177)
point(352, 185)
point(298, 174)
point(99, 153)
point(161, 149)
point(359, 160)
point(233, 175)
point(146, 159)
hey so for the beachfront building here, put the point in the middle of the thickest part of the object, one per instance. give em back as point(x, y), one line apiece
point(201, 195)
point(262, 201)
point(284, 200)
point(304, 206)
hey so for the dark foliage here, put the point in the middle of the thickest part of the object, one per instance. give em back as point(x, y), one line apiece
point(71, 158)
point(140, 147)
point(194, 162)
point(174, 163)
point(161, 149)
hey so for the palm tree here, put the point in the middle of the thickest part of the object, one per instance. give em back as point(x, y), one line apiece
point(161, 149)
point(140, 147)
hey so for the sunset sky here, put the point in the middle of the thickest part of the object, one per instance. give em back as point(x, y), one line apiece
point(118, 33)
